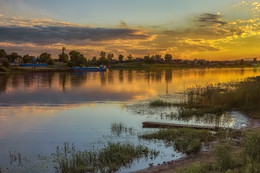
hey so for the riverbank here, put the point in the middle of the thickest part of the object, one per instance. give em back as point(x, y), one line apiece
point(58, 67)
point(226, 154)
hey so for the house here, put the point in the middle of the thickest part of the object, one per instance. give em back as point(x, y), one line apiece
point(18, 60)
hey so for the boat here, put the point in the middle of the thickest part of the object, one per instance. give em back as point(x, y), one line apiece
point(100, 68)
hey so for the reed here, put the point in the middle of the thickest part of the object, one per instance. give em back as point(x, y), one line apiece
point(159, 103)
point(243, 96)
point(110, 159)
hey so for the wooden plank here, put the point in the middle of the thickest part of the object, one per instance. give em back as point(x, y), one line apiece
point(150, 124)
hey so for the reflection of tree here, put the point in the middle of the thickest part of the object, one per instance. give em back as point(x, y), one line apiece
point(103, 78)
point(28, 79)
point(110, 77)
point(158, 75)
point(130, 76)
point(15, 81)
point(147, 75)
point(168, 78)
point(77, 79)
point(63, 80)
point(3, 82)
point(121, 76)
point(50, 79)
point(168, 75)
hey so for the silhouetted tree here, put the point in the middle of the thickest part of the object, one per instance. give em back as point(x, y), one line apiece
point(168, 58)
point(13, 56)
point(77, 59)
point(110, 57)
point(2, 53)
point(120, 58)
point(146, 58)
point(102, 59)
point(130, 57)
point(63, 57)
point(44, 57)
point(28, 59)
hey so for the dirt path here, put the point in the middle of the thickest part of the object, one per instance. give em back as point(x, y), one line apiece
point(203, 157)
point(182, 163)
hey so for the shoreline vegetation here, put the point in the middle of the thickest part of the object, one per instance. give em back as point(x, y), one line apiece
point(233, 150)
point(10, 62)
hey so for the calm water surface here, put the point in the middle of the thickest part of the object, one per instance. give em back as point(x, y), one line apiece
point(39, 111)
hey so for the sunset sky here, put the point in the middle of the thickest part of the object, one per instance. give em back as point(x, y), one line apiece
point(188, 29)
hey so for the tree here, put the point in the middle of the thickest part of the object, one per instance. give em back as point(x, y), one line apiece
point(102, 59)
point(110, 57)
point(13, 56)
point(94, 60)
point(120, 58)
point(103, 54)
point(2, 53)
point(146, 58)
point(44, 57)
point(63, 57)
point(168, 58)
point(130, 57)
point(77, 58)
point(28, 59)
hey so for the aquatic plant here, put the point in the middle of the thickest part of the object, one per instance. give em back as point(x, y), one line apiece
point(159, 103)
point(119, 128)
point(244, 96)
point(109, 159)
point(243, 158)
point(184, 139)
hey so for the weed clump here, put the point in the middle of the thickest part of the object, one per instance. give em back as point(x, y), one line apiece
point(244, 96)
point(160, 103)
point(184, 140)
point(109, 159)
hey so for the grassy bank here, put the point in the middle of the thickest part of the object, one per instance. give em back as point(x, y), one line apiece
point(188, 140)
point(243, 96)
point(109, 159)
point(227, 158)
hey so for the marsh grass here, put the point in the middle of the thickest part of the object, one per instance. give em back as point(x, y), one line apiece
point(189, 140)
point(184, 140)
point(110, 159)
point(160, 103)
point(244, 96)
point(244, 158)
point(119, 128)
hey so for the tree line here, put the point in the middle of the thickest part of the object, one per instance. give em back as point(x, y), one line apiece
point(75, 58)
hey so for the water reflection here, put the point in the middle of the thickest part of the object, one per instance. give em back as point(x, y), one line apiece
point(114, 85)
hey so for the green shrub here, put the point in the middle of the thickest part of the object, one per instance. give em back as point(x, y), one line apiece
point(5, 63)
point(223, 155)
point(251, 153)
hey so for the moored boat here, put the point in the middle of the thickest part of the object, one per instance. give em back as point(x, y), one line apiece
point(100, 68)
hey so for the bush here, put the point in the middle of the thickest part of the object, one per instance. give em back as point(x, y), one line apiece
point(51, 62)
point(5, 63)
point(251, 153)
point(223, 155)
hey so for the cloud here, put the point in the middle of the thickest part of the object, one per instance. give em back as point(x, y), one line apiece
point(209, 19)
point(123, 24)
point(66, 34)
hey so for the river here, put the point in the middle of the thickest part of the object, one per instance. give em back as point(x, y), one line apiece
point(40, 111)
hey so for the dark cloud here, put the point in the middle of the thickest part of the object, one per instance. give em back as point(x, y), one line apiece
point(65, 34)
point(208, 19)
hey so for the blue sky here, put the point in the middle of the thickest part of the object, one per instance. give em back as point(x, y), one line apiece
point(185, 28)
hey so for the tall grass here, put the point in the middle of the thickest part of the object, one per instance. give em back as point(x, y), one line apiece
point(244, 96)
point(189, 140)
point(184, 140)
point(246, 159)
point(160, 103)
point(110, 159)
point(119, 128)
